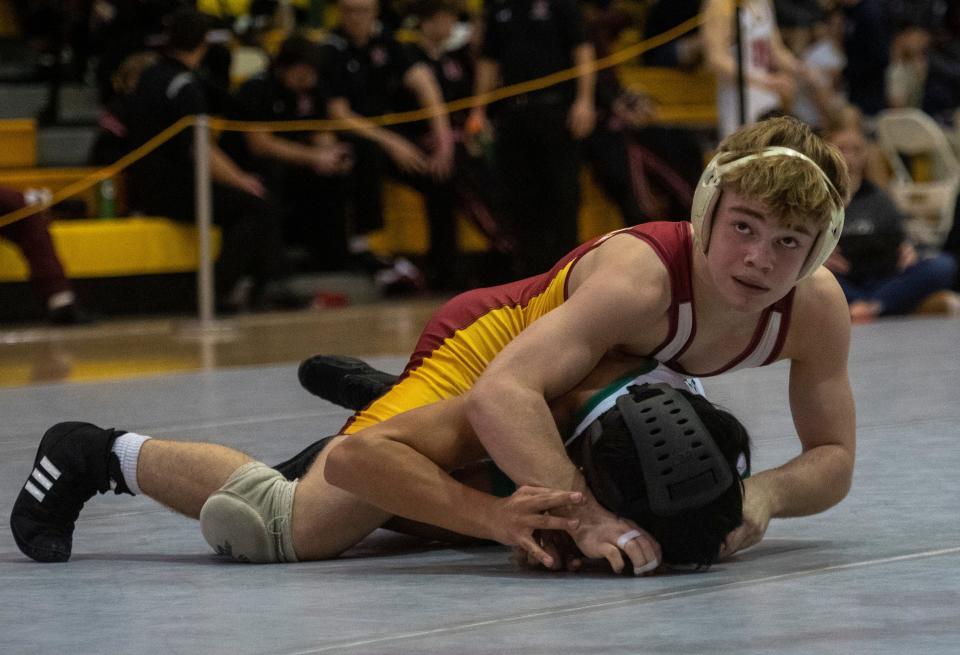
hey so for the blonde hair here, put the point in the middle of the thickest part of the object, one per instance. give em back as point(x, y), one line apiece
point(788, 186)
point(127, 76)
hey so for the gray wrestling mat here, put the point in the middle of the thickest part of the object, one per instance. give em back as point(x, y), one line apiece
point(878, 574)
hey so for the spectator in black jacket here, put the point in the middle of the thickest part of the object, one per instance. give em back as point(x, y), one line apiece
point(364, 72)
point(163, 183)
point(304, 170)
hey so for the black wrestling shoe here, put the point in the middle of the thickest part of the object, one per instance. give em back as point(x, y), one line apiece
point(295, 467)
point(73, 462)
point(344, 381)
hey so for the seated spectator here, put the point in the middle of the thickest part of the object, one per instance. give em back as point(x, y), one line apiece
point(365, 69)
point(906, 74)
point(113, 139)
point(302, 170)
point(163, 183)
point(32, 236)
point(881, 272)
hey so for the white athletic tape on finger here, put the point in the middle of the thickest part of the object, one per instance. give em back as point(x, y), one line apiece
point(626, 537)
point(649, 566)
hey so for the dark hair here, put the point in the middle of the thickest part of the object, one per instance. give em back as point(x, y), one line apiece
point(296, 50)
point(691, 536)
point(188, 30)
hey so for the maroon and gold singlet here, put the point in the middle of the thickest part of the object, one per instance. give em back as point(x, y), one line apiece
point(467, 332)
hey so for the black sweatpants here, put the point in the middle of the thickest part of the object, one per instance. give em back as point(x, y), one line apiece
point(251, 230)
point(372, 166)
point(538, 162)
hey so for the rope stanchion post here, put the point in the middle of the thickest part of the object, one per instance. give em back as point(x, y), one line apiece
point(204, 211)
point(741, 81)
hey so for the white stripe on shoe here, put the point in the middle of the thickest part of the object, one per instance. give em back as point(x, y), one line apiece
point(42, 479)
point(50, 468)
point(36, 493)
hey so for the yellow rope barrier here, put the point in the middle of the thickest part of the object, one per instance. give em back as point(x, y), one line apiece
point(502, 93)
point(338, 125)
point(102, 174)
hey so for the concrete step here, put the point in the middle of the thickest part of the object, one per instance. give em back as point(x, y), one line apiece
point(64, 146)
point(78, 103)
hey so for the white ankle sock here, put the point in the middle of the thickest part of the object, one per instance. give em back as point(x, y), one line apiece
point(61, 299)
point(127, 449)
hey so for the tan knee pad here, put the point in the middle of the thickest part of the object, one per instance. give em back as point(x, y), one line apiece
point(250, 517)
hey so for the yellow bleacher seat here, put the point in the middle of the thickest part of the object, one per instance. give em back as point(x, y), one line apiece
point(115, 247)
point(682, 98)
point(406, 231)
point(55, 179)
point(103, 248)
point(18, 142)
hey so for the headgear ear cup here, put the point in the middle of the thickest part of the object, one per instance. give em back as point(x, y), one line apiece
point(708, 193)
point(705, 199)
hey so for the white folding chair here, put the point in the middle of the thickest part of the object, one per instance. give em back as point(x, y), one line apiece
point(926, 172)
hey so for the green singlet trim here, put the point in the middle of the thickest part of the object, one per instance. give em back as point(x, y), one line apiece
point(599, 397)
point(502, 486)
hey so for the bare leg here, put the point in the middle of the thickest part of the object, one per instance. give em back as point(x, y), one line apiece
point(328, 520)
point(182, 475)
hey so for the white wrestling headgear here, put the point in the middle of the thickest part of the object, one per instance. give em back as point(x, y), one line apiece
point(708, 194)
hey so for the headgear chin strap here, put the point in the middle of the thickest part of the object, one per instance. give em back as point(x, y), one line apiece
point(707, 196)
point(682, 466)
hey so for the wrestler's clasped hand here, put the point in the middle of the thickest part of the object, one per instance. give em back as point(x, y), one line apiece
point(756, 518)
point(519, 515)
point(559, 545)
point(601, 534)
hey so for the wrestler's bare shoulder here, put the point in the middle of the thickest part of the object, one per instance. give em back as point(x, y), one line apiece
point(626, 258)
point(624, 281)
point(819, 319)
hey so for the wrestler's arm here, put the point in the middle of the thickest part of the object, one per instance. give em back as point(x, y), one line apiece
point(824, 415)
point(606, 309)
point(402, 464)
point(507, 407)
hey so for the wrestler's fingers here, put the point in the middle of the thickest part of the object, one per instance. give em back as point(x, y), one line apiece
point(522, 557)
point(539, 499)
point(733, 542)
point(549, 522)
point(536, 552)
point(643, 551)
point(532, 560)
point(612, 554)
point(554, 553)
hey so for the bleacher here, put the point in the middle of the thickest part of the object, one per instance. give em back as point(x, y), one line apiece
point(18, 142)
point(95, 248)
